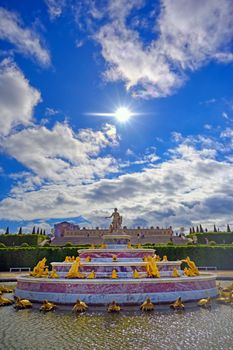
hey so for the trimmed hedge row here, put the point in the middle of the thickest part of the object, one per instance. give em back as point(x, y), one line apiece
point(17, 240)
point(203, 255)
point(218, 237)
point(29, 257)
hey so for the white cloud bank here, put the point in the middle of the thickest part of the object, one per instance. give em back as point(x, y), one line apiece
point(17, 97)
point(191, 187)
point(187, 35)
point(26, 40)
point(61, 155)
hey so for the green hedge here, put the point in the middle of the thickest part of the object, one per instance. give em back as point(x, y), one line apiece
point(203, 255)
point(17, 240)
point(29, 257)
point(218, 237)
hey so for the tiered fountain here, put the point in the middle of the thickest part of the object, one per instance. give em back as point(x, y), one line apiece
point(117, 255)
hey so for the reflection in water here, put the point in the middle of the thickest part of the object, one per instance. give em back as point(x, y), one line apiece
point(193, 329)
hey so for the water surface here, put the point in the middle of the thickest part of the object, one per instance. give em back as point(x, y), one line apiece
point(130, 330)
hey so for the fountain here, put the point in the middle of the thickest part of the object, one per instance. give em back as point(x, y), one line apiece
point(118, 272)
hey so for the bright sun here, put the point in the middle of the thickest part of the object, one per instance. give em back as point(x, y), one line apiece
point(123, 114)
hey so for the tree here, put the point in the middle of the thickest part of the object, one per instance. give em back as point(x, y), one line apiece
point(197, 229)
point(7, 231)
point(44, 233)
point(215, 230)
point(190, 230)
point(41, 232)
point(20, 231)
point(193, 229)
point(201, 229)
point(38, 231)
point(34, 230)
point(228, 228)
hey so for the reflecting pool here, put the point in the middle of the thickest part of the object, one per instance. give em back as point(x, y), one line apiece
point(194, 328)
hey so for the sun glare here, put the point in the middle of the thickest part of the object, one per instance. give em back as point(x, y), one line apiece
point(123, 114)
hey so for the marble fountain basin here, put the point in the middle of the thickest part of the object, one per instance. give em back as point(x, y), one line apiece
point(124, 291)
point(124, 268)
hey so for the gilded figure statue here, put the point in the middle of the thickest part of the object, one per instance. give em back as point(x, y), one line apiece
point(116, 221)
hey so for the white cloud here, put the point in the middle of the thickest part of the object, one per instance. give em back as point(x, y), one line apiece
point(55, 8)
point(41, 225)
point(187, 35)
point(227, 133)
point(26, 40)
point(17, 97)
point(60, 154)
point(208, 126)
point(51, 111)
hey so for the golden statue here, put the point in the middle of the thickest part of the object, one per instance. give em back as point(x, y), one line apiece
point(165, 258)
point(74, 271)
point(175, 273)
point(114, 258)
point(22, 304)
point(206, 303)
point(92, 274)
point(188, 272)
point(116, 221)
point(147, 305)
point(225, 298)
point(40, 270)
point(192, 270)
point(113, 307)
point(157, 258)
point(53, 274)
point(4, 289)
point(228, 288)
point(80, 306)
point(129, 245)
point(177, 305)
point(88, 259)
point(152, 268)
point(103, 245)
point(47, 306)
point(136, 274)
point(114, 274)
point(5, 301)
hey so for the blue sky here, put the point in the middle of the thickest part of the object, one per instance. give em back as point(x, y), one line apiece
point(169, 62)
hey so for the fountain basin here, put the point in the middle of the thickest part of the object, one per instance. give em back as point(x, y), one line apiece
point(125, 291)
point(123, 268)
point(121, 253)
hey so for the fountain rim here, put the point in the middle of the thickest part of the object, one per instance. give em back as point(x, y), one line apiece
point(203, 277)
point(115, 250)
point(117, 263)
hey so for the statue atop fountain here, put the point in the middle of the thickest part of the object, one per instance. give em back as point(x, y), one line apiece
point(116, 221)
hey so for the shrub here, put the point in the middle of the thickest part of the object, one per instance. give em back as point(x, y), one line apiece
point(46, 244)
point(190, 243)
point(2, 245)
point(170, 243)
point(25, 245)
point(218, 237)
point(69, 244)
point(17, 240)
point(212, 243)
